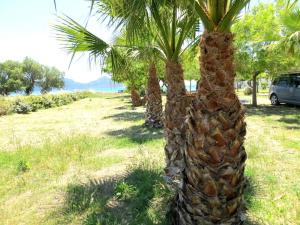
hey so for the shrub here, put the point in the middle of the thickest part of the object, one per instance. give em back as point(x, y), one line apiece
point(36, 102)
point(21, 107)
point(22, 166)
point(248, 91)
point(5, 106)
point(124, 190)
point(26, 104)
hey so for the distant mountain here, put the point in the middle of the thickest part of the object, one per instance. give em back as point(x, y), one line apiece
point(103, 82)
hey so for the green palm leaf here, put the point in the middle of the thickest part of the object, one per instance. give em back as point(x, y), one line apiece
point(76, 38)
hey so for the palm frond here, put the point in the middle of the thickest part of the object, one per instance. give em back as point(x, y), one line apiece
point(201, 9)
point(76, 38)
point(233, 11)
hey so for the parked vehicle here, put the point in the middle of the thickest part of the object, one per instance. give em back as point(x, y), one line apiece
point(285, 89)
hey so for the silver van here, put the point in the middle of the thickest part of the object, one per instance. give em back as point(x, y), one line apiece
point(285, 89)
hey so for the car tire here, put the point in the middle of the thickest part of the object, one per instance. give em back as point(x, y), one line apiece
point(274, 100)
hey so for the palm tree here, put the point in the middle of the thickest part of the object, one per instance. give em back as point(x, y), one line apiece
point(213, 178)
point(76, 38)
point(154, 101)
point(170, 26)
point(154, 111)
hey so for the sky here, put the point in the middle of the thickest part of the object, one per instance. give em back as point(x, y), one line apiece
point(26, 31)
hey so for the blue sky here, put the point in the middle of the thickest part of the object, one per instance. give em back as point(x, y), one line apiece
point(26, 31)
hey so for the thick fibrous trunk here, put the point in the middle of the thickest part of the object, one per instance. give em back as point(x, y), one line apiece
point(175, 112)
point(136, 98)
point(154, 102)
point(213, 178)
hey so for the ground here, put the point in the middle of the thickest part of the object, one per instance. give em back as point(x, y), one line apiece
point(93, 162)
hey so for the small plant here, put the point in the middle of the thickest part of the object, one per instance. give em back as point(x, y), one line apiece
point(21, 107)
point(124, 190)
point(22, 166)
point(78, 197)
point(248, 91)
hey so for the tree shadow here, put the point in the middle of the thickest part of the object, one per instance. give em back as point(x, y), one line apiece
point(121, 108)
point(138, 134)
point(138, 197)
point(124, 200)
point(288, 115)
point(126, 116)
point(119, 97)
point(250, 192)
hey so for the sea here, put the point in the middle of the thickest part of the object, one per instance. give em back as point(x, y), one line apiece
point(190, 86)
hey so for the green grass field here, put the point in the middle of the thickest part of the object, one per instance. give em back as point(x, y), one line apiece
point(93, 162)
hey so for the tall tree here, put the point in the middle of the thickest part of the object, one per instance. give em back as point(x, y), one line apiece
point(213, 184)
point(51, 78)
point(10, 77)
point(32, 72)
point(171, 26)
point(257, 34)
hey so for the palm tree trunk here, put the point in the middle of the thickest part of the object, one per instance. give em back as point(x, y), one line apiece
point(154, 102)
point(213, 187)
point(136, 98)
point(175, 112)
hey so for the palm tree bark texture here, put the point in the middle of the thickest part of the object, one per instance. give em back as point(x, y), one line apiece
point(154, 102)
point(174, 116)
point(136, 98)
point(213, 178)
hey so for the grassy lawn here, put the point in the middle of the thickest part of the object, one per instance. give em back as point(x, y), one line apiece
point(93, 162)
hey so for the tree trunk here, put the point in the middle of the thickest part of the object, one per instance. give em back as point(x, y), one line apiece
point(254, 89)
point(175, 112)
point(136, 98)
point(154, 102)
point(213, 178)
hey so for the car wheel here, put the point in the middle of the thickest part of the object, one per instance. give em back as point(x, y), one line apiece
point(274, 99)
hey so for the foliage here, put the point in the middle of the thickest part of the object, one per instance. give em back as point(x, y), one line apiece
point(24, 76)
point(217, 15)
point(21, 107)
point(26, 104)
point(22, 166)
point(32, 72)
point(190, 62)
point(124, 190)
point(5, 106)
point(290, 18)
point(256, 36)
point(248, 91)
point(10, 77)
point(52, 78)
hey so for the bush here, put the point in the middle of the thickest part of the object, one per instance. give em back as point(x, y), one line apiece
point(21, 107)
point(248, 91)
point(5, 106)
point(23, 166)
point(26, 104)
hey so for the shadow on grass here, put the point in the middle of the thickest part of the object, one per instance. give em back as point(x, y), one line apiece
point(138, 134)
point(250, 192)
point(127, 116)
point(140, 197)
point(288, 115)
point(121, 96)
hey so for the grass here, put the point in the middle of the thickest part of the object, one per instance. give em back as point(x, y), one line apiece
point(93, 162)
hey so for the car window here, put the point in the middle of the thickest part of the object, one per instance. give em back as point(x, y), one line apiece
point(283, 82)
